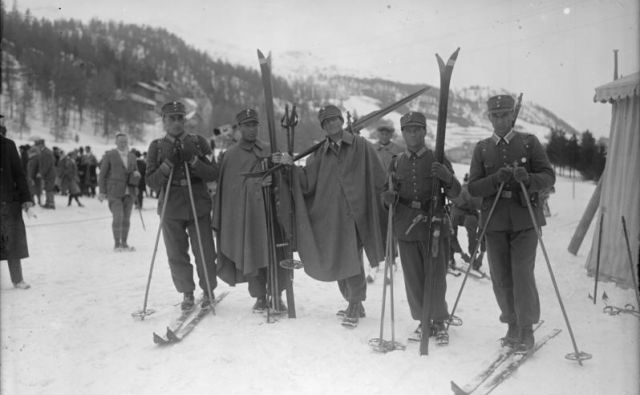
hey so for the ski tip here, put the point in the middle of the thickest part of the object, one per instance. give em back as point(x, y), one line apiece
point(457, 390)
point(260, 55)
point(172, 336)
point(157, 339)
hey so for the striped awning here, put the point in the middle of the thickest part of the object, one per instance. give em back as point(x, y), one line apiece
point(621, 88)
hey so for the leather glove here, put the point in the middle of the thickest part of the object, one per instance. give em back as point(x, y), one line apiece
point(282, 157)
point(504, 174)
point(439, 170)
point(188, 150)
point(520, 175)
point(27, 205)
point(389, 197)
point(175, 156)
point(102, 196)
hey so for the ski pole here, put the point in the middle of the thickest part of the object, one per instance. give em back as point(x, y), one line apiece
point(475, 250)
point(633, 274)
point(595, 285)
point(198, 236)
point(143, 313)
point(576, 355)
point(140, 212)
point(380, 344)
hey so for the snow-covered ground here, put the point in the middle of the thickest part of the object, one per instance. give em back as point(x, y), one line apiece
point(72, 332)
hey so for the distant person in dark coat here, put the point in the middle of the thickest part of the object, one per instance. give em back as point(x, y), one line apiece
point(69, 178)
point(44, 167)
point(118, 181)
point(14, 197)
point(90, 164)
point(142, 185)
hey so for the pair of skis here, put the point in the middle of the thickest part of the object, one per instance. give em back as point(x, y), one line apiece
point(500, 366)
point(186, 322)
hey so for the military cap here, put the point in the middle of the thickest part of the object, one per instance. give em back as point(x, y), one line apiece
point(500, 103)
point(413, 118)
point(246, 116)
point(173, 107)
point(329, 111)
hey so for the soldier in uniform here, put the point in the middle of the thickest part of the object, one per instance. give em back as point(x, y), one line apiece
point(239, 216)
point(509, 157)
point(170, 155)
point(413, 173)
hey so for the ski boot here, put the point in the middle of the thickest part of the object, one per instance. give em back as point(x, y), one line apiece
point(512, 338)
point(188, 301)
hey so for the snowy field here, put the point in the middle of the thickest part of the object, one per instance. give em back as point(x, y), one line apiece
point(72, 332)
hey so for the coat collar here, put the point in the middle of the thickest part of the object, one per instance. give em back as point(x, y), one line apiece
point(507, 137)
point(418, 154)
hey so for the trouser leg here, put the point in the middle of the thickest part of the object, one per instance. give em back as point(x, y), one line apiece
point(438, 279)
point(471, 225)
point(204, 224)
point(177, 245)
point(257, 283)
point(420, 273)
point(15, 270)
point(499, 254)
point(525, 294)
point(116, 206)
point(413, 270)
point(127, 206)
point(354, 288)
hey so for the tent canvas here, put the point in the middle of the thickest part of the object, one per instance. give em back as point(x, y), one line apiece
point(620, 194)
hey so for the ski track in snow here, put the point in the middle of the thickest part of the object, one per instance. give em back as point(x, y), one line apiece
point(72, 332)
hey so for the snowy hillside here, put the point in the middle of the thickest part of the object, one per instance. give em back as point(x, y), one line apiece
point(72, 332)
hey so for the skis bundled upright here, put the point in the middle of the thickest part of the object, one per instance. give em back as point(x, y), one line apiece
point(271, 209)
point(434, 224)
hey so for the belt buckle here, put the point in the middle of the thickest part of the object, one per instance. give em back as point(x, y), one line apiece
point(183, 183)
point(416, 204)
point(506, 194)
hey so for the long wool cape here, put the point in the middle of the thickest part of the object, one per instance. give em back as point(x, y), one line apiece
point(337, 204)
point(239, 216)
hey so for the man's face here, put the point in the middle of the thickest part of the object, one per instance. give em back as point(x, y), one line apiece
point(414, 136)
point(249, 131)
point(384, 136)
point(122, 142)
point(173, 124)
point(502, 121)
point(332, 125)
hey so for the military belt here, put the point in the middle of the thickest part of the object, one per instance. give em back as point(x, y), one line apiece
point(183, 182)
point(416, 204)
point(507, 194)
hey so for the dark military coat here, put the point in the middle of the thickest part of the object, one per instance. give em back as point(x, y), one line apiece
point(178, 205)
point(490, 154)
point(13, 192)
point(413, 182)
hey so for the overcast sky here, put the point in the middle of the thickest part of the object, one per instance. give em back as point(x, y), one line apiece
point(555, 51)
